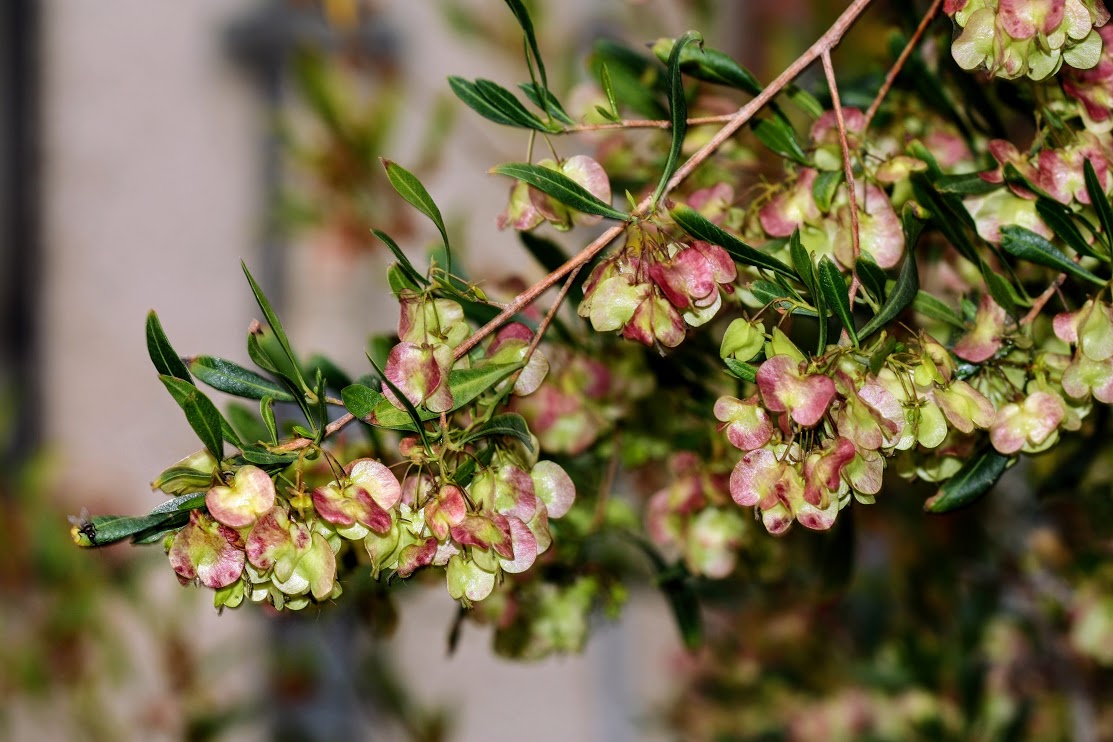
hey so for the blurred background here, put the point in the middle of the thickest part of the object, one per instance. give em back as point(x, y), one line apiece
point(145, 150)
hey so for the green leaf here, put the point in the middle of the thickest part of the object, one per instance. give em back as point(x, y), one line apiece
point(779, 136)
point(361, 400)
point(259, 354)
point(266, 411)
point(948, 214)
point(103, 530)
point(546, 101)
point(802, 262)
point(709, 65)
point(263, 457)
point(903, 294)
point(244, 420)
point(162, 353)
point(929, 306)
point(404, 264)
point(835, 292)
point(522, 16)
point(547, 253)
point(694, 223)
point(236, 380)
point(179, 480)
point(805, 101)
point(740, 369)
point(276, 326)
point(561, 187)
point(1061, 221)
point(608, 88)
point(510, 423)
point(965, 184)
point(678, 110)
point(1100, 202)
point(466, 471)
point(411, 189)
point(1000, 289)
point(182, 504)
point(873, 278)
point(200, 412)
point(470, 94)
point(972, 481)
point(506, 102)
point(825, 187)
point(1023, 243)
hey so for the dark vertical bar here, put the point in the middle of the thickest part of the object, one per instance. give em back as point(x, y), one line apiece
point(19, 227)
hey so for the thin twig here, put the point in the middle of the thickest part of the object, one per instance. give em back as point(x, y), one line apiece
point(330, 430)
point(548, 319)
point(902, 59)
point(844, 144)
point(823, 45)
point(1042, 299)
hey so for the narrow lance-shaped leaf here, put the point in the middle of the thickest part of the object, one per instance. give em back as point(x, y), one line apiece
point(779, 137)
point(102, 530)
point(872, 277)
point(162, 353)
point(802, 261)
point(506, 102)
point(1027, 245)
point(695, 224)
point(903, 294)
point(404, 264)
point(907, 285)
point(231, 378)
point(266, 411)
point(929, 306)
point(561, 187)
point(275, 324)
point(825, 187)
point(522, 16)
point(1061, 221)
point(972, 481)
point(200, 412)
point(834, 290)
point(678, 110)
point(546, 101)
point(468, 93)
point(411, 189)
point(510, 423)
point(361, 400)
point(1100, 202)
point(608, 88)
point(740, 369)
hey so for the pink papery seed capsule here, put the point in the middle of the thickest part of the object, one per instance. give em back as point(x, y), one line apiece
point(746, 422)
point(784, 388)
point(207, 551)
point(1028, 425)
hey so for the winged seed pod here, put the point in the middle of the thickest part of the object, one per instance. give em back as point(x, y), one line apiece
point(1033, 38)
